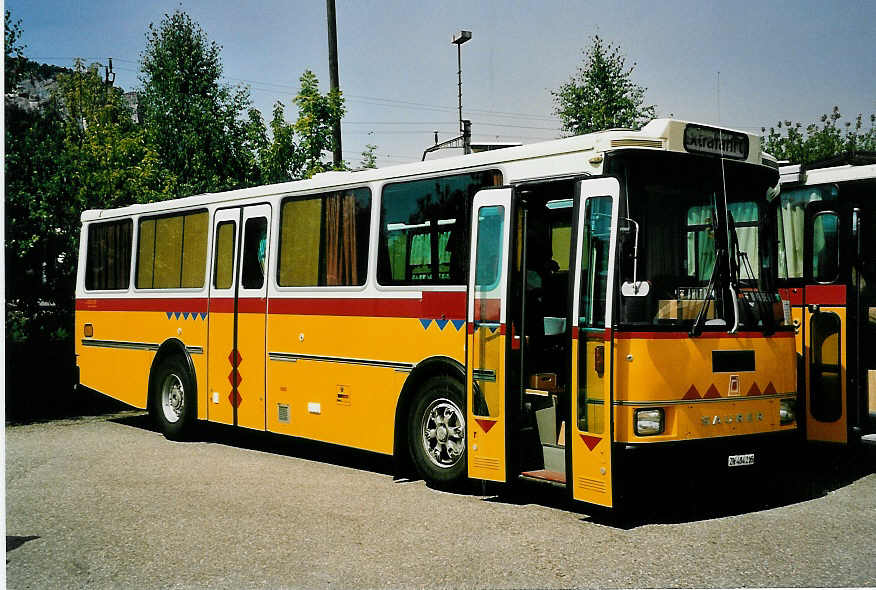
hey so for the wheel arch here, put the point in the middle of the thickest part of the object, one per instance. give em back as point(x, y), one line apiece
point(421, 373)
point(168, 348)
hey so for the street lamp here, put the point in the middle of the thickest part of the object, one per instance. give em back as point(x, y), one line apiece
point(458, 39)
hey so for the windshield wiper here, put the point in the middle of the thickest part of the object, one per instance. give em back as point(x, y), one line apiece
point(697, 328)
point(758, 296)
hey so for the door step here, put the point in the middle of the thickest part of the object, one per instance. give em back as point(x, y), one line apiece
point(552, 477)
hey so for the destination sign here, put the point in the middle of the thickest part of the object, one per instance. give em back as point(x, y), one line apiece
point(715, 142)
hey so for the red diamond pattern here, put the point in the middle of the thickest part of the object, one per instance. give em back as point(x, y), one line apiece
point(770, 389)
point(754, 390)
point(235, 399)
point(234, 378)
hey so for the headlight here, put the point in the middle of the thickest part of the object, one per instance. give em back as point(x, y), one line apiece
point(648, 422)
point(786, 411)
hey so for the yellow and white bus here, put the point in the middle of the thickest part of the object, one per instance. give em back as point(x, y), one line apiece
point(561, 311)
point(826, 240)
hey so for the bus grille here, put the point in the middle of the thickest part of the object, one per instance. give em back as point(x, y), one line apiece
point(648, 143)
point(485, 463)
point(283, 413)
point(594, 485)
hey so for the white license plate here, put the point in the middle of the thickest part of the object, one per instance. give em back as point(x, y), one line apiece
point(737, 460)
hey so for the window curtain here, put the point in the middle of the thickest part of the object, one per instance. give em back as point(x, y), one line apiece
point(745, 215)
point(700, 242)
point(109, 255)
point(340, 232)
point(793, 208)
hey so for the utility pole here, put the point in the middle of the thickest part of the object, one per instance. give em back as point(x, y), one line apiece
point(464, 125)
point(463, 140)
point(333, 74)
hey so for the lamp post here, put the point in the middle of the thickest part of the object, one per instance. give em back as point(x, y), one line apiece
point(459, 38)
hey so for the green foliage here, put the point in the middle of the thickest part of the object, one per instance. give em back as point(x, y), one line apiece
point(601, 95)
point(819, 141)
point(194, 122)
point(317, 114)
point(12, 51)
point(369, 157)
point(82, 151)
point(296, 150)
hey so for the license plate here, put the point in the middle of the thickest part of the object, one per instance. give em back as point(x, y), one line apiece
point(737, 460)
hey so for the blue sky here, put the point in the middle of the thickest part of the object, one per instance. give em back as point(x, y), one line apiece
point(777, 60)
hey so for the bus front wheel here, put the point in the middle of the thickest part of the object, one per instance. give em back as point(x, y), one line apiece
point(437, 433)
point(173, 398)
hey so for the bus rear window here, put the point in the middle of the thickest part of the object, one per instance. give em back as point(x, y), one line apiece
point(172, 251)
point(108, 258)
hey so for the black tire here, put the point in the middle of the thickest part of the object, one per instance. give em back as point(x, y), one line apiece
point(173, 398)
point(437, 432)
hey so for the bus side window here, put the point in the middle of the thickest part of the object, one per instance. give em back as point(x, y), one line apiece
point(825, 247)
point(324, 239)
point(254, 235)
point(172, 251)
point(223, 264)
point(108, 259)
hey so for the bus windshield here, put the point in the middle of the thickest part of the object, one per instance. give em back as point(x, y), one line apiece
point(698, 255)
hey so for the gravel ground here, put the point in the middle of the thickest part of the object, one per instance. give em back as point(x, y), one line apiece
point(106, 502)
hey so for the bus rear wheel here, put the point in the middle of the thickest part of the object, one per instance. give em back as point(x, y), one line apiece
point(437, 432)
point(173, 398)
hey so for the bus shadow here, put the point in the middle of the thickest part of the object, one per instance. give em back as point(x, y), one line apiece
point(822, 471)
point(278, 444)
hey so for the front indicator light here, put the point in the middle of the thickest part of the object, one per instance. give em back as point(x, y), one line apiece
point(648, 422)
point(787, 412)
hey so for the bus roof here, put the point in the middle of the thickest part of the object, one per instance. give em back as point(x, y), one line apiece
point(844, 168)
point(658, 134)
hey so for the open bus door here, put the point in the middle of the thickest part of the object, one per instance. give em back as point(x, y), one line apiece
point(826, 300)
point(486, 338)
point(589, 464)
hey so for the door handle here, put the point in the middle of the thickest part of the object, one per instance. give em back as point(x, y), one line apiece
point(796, 324)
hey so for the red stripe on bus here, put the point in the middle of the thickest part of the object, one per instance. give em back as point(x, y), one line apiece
point(222, 305)
point(432, 304)
point(252, 305)
point(684, 335)
point(448, 306)
point(191, 305)
point(794, 295)
point(826, 294)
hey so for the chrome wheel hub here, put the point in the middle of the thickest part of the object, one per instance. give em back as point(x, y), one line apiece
point(443, 433)
point(172, 398)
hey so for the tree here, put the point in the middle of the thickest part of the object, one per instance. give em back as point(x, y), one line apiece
point(80, 151)
point(297, 150)
point(602, 94)
point(193, 121)
point(369, 158)
point(818, 141)
point(12, 51)
point(317, 114)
